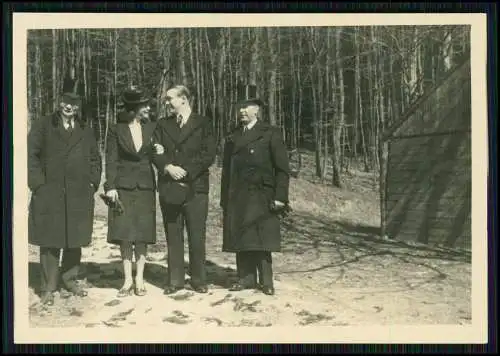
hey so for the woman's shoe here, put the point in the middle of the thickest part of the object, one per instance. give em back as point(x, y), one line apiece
point(141, 291)
point(125, 292)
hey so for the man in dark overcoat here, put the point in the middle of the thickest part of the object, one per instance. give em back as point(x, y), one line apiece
point(183, 186)
point(255, 180)
point(64, 173)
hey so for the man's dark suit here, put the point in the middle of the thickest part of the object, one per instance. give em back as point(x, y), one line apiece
point(193, 148)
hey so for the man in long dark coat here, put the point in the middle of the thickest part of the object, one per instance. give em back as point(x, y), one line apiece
point(183, 186)
point(255, 180)
point(64, 172)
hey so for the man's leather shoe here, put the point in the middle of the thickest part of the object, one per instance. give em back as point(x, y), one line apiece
point(171, 289)
point(238, 287)
point(200, 289)
point(47, 298)
point(268, 290)
point(78, 291)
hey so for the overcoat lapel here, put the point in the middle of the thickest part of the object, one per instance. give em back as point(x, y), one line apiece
point(172, 129)
point(179, 135)
point(76, 135)
point(243, 139)
point(191, 125)
point(59, 127)
point(147, 133)
point(125, 137)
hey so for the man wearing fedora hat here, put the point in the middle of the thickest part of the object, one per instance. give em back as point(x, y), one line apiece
point(64, 173)
point(254, 187)
point(183, 186)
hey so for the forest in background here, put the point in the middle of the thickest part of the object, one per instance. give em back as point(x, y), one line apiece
point(331, 90)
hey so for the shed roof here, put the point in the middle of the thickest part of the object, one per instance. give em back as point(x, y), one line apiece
point(407, 115)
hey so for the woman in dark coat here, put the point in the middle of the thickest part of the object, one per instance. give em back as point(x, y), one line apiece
point(130, 178)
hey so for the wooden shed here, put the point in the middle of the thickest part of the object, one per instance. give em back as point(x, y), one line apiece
point(426, 175)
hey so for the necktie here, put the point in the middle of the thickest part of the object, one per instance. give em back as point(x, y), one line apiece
point(70, 127)
point(179, 121)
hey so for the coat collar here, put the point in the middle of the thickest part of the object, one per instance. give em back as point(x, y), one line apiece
point(241, 140)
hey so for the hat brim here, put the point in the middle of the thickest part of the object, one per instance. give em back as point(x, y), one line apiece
point(71, 98)
point(136, 102)
point(248, 102)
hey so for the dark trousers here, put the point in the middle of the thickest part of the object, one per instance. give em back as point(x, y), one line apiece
point(252, 263)
point(50, 271)
point(194, 215)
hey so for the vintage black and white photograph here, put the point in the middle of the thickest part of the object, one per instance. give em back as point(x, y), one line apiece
point(244, 175)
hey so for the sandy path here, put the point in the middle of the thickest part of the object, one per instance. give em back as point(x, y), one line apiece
point(329, 273)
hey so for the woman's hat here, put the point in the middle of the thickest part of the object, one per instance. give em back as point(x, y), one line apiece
point(134, 96)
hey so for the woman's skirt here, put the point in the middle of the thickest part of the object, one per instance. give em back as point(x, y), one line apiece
point(138, 221)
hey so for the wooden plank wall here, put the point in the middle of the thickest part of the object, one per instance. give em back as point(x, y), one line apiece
point(428, 196)
point(428, 180)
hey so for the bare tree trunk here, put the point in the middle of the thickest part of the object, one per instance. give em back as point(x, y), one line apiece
point(219, 116)
point(301, 96)
point(362, 118)
point(198, 74)
point(202, 75)
point(191, 57)
point(55, 94)
point(294, 76)
point(384, 155)
point(357, 99)
point(447, 51)
point(86, 57)
point(255, 58)
point(108, 116)
point(212, 75)
point(72, 69)
point(382, 145)
point(271, 38)
point(115, 70)
point(376, 101)
point(180, 58)
point(102, 135)
point(323, 122)
point(137, 51)
point(38, 70)
point(338, 123)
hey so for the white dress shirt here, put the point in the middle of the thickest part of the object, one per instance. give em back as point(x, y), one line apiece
point(183, 116)
point(249, 125)
point(67, 123)
point(136, 131)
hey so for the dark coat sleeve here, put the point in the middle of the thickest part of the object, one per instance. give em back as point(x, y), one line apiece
point(160, 161)
point(95, 161)
point(279, 156)
point(205, 157)
point(111, 159)
point(36, 141)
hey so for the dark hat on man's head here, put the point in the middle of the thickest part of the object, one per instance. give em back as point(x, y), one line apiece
point(71, 98)
point(134, 96)
point(247, 95)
